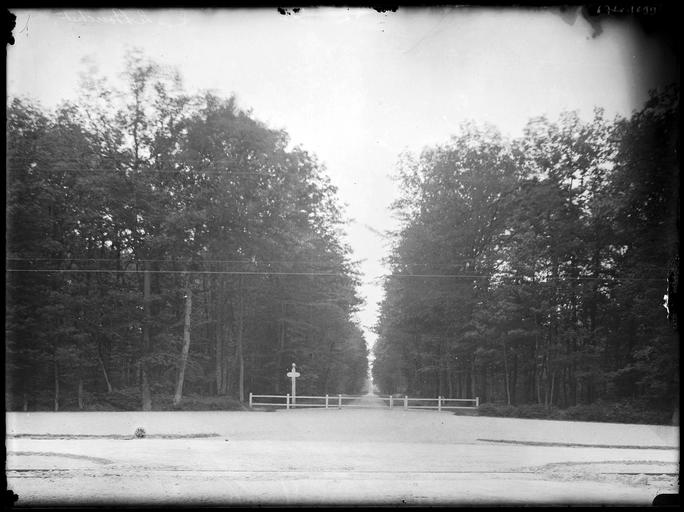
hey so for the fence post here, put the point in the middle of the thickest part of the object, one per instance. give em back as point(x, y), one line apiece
point(326, 401)
point(390, 401)
point(339, 401)
point(287, 401)
point(250, 399)
point(477, 401)
point(406, 402)
point(439, 404)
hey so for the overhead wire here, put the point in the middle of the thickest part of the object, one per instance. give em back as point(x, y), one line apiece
point(186, 271)
point(339, 274)
point(155, 171)
point(148, 260)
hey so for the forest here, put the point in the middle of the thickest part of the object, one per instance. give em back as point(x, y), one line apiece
point(165, 249)
point(539, 272)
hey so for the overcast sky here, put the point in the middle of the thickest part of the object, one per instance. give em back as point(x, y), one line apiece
point(357, 87)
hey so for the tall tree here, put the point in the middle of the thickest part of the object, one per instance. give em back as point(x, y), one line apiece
point(532, 271)
point(150, 218)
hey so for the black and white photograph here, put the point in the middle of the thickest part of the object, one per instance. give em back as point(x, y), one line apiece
point(342, 256)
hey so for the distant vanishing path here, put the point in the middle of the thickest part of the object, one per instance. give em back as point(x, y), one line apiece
point(372, 401)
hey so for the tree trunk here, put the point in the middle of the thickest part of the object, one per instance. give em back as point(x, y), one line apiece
point(549, 402)
point(544, 385)
point(104, 371)
point(56, 371)
point(219, 360)
point(80, 394)
point(218, 333)
point(514, 379)
point(240, 352)
point(145, 386)
point(538, 380)
point(538, 375)
point(281, 346)
point(228, 341)
point(186, 343)
point(505, 357)
point(457, 385)
point(675, 413)
point(450, 383)
point(563, 393)
point(485, 383)
point(144, 380)
point(440, 379)
point(241, 381)
point(473, 380)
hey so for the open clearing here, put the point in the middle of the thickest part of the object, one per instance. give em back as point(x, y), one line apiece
point(349, 456)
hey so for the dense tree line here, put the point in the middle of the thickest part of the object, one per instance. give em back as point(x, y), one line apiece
point(161, 244)
point(533, 270)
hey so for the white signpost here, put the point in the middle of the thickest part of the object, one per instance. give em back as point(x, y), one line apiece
point(293, 375)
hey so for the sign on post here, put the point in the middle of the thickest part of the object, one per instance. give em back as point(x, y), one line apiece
point(293, 375)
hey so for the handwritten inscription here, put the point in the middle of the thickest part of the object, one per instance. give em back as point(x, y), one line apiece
point(649, 10)
point(118, 17)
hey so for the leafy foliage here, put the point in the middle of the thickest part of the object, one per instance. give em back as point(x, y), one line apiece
point(122, 205)
point(532, 271)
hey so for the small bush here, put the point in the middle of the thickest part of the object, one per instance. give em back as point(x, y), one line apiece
point(101, 406)
point(125, 399)
point(496, 409)
point(618, 412)
point(139, 432)
point(537, 411)
point(584, 412)
point(197, 403)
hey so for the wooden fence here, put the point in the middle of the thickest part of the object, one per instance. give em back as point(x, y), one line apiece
point(340, 401)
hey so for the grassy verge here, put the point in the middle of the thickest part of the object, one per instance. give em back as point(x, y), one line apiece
point(129, 400)
point(610, 412)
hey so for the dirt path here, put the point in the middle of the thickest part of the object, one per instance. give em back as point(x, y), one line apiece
point(370, 401)
point(348, 456)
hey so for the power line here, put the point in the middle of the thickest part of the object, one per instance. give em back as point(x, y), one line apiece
point(265, 262)
point(138, 271)
point(145, 260)
point(123, 159)
point(460, 264)
point(189, 172)
point(494, 276)
point(322, 263)
point(338, 274)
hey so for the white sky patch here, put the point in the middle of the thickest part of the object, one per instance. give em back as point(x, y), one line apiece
point(354, 86)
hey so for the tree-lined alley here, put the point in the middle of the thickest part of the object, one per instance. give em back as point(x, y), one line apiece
point(161, 243)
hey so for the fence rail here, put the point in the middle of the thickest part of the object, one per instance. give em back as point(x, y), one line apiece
point(338, 401)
